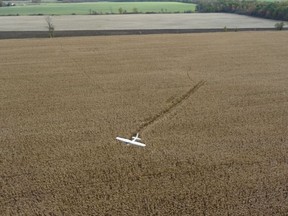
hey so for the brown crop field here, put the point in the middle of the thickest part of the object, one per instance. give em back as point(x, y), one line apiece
point(212, 109)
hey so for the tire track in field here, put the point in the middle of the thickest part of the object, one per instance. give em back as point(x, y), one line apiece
point(81, 69)
point(170, 108)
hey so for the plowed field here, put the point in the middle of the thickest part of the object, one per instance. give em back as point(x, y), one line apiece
point(212, 109)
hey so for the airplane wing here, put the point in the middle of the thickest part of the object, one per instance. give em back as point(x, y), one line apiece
point(132, 142)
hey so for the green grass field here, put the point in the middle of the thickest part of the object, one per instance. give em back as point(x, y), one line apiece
point(98, 7)
point(272, 0)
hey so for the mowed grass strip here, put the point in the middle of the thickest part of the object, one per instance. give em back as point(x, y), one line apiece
point(221, 151)
point(98, 7)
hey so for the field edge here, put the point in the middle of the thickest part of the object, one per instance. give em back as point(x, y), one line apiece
point(78, 33)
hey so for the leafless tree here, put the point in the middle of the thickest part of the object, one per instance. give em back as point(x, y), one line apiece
point(50, 26)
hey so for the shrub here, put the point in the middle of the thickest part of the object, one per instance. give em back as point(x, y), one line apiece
point(279, 26)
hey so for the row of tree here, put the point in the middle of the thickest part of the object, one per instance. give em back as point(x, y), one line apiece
point(270, 10)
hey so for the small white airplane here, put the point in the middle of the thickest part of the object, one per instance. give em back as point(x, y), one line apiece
point(133, 141)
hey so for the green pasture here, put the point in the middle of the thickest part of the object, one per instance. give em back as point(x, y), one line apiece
point(97, 7)
point(272, 0)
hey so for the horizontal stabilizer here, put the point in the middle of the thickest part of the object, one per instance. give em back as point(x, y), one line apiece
point(136, 138)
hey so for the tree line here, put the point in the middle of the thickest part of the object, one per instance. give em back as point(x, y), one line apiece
point(269, 10)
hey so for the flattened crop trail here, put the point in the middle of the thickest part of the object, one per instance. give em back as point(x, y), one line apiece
point(166, 111)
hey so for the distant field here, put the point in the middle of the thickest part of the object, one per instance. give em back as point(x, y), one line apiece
point(98, 7)
point(135, 21)
point(223, 150)
point(272, 0)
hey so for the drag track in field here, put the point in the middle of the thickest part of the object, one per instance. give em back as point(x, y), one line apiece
point(175, 103)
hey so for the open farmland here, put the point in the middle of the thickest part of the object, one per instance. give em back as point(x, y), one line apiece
point(221, 150)
point(135, 21)
point(97, 8)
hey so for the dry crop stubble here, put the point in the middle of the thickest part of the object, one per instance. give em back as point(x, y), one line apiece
point(223, 150)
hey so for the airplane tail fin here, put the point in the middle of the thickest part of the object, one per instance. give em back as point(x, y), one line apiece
point(136, 137)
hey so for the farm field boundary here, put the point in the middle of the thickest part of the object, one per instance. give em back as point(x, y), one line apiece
point(78, 33)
